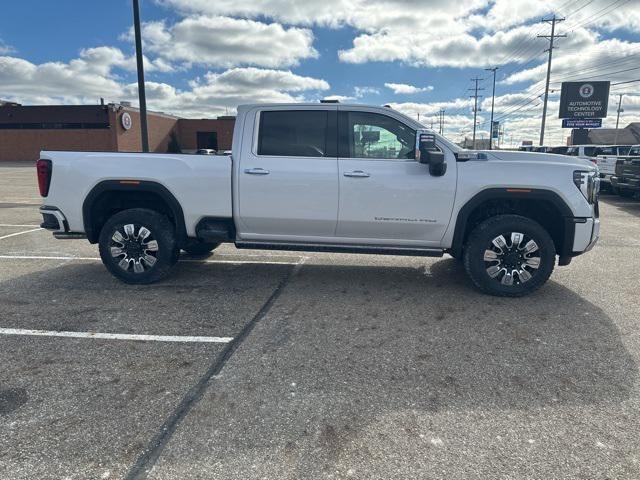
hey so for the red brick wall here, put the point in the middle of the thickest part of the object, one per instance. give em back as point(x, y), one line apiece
point(27, 144)
point(158, 126)
point(189, 128)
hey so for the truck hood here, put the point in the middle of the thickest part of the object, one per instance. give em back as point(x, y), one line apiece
point(535, 157)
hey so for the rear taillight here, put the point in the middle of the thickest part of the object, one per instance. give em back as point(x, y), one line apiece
point(43, 168)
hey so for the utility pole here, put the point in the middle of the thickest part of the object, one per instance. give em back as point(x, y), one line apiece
point(475, 107)
point(441, 121)
point(553, 20)
point(418, 116)
point(620, 110)
point(493, 97)
point(141, 93)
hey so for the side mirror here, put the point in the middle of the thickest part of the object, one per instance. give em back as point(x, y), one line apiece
point(428, 153)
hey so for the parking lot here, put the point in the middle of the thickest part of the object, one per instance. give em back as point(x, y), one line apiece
point(250, 364)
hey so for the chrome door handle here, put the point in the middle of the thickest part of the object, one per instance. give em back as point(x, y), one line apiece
point(356, 173)
point(256, 171)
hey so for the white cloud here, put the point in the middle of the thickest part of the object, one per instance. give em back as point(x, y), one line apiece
point(361, 14)
point(225, 42)
point(5, 49)
point(93, 75)
point(403, 88)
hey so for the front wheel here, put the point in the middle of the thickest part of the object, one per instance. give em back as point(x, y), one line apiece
point(509, 256)
point(138, 246)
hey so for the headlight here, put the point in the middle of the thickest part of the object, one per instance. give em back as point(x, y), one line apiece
point(588, 183)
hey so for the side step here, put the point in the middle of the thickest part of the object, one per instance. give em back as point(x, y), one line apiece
point(215, 230)
point(364, 249)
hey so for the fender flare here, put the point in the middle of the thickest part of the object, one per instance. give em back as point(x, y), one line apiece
point(511, 193)
point(126, 185)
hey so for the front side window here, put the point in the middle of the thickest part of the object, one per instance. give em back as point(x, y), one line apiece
point(293, 133)
point(373, 135)
point(590, 151)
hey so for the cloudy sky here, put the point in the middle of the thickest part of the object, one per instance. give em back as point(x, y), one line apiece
point(205, 57)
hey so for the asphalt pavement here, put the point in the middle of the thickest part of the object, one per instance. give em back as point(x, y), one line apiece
point(285, 365)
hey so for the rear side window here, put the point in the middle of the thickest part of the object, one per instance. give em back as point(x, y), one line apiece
point(293, 133)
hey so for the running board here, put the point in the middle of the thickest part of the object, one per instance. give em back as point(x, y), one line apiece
point(336, 248)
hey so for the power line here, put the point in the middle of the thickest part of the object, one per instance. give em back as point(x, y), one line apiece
point(475, 107)
point(551, 38)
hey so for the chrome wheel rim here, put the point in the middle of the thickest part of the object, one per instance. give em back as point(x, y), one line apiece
point(134, 248)
point(512, 258)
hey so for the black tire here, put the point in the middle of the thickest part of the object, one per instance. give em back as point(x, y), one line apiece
point(197, 248)
point(480, 264)
point(131, 250)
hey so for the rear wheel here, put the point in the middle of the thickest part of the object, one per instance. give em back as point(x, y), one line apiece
point(509, 256)
point(138, 246)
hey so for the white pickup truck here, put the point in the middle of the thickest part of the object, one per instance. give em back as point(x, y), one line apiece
point(329, 177)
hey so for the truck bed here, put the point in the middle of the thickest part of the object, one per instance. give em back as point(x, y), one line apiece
point(200, 183)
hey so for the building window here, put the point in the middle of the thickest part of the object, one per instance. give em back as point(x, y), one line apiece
point(207, 140)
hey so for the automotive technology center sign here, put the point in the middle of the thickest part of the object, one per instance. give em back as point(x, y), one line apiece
point(584, 100)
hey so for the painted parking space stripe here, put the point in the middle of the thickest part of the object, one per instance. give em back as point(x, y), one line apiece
point(21, 226)
point(115, 336)
point(186, 260)
point(21, 233)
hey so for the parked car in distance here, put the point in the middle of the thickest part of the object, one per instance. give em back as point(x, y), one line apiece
point(206, 151)
point(542, 149)
point(329, 177)
point(562, 150)
point(626, 180)
point(606, 158)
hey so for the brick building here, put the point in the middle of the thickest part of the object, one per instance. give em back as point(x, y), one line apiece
point(26, 130)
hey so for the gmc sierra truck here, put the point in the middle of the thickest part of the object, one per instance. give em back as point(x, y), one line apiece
point(329, 177)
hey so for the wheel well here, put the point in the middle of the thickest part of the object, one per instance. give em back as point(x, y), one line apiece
point(103, 202)
point(542, 210)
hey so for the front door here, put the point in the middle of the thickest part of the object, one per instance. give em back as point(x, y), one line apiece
point(385, 195)
point(289, 180)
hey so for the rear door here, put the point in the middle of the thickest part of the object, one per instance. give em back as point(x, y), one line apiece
point(385, 195)
point(288, 178)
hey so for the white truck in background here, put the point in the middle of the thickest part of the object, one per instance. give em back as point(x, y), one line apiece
point(329, 177)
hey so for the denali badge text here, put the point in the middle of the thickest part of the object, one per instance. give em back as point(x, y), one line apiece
point(405, 220)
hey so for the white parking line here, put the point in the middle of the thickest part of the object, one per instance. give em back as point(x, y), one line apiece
point(187, 260)
point(11, 225)
point(115, 336)
point(20, 233)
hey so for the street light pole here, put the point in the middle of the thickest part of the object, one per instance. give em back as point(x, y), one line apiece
point(141, 92)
